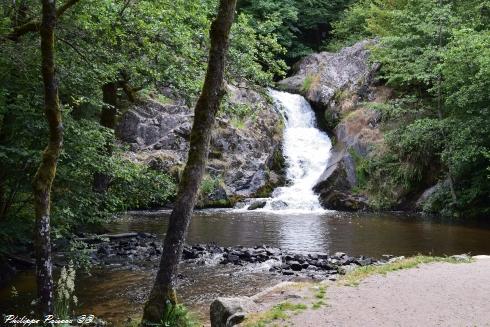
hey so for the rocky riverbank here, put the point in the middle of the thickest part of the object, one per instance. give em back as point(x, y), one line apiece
point(130, 250)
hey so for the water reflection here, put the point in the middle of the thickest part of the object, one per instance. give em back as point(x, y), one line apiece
point(354, 233)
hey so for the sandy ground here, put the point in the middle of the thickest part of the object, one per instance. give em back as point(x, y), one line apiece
point(438, 294)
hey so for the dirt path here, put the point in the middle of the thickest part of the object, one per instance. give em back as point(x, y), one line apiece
point(438, 294)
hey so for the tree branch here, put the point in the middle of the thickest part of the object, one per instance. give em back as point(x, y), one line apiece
point(74, 48)
point(34, 25)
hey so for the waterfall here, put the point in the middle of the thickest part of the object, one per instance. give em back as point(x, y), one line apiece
point(306, 150)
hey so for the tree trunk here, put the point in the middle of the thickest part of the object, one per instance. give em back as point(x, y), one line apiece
point(109, 111)
point(204, 117)
point(439, 105)
point(107, 119)
point(3, 199)
point(46, 172)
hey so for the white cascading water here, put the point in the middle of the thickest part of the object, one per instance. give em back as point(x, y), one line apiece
point(306, 150)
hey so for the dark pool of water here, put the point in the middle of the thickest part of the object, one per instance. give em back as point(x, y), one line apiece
point(353, 233)
point(115, 294)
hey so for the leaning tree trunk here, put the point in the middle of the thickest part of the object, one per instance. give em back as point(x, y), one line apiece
point(204, 117)
point(46, 172)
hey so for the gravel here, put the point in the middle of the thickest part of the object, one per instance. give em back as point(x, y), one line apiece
point(437, 294)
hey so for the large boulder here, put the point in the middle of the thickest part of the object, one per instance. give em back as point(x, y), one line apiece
point(428, 201)
point(324, 77)
point(244, 159)
point(336, 183)
point(227, 312)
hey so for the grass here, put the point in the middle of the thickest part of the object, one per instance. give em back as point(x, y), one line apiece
point(354, 277)
point(320, 294)
point(318, 304)
point(238, 122)
point(309, 82)
point(179, 316)
point(280, 311)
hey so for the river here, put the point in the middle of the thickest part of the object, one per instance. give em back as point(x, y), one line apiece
point(114, 294)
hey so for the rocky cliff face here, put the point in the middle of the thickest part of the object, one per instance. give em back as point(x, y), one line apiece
point(245, 158)
point(325, 78)
point(340, 87)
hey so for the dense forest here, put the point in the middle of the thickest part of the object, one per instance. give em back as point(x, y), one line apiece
point(111, 55)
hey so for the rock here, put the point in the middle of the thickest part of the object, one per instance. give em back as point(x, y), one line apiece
point(295, 266)
point(320, 77)
point(278, 205)
point(188, 253)
point(104, 250)
point(335, 184)
point(257, 205)
point(395, 259)
point(461, 257)
point(273, 252)
point(425, 201)
point(226, 312)
point(145, 248)
point(359, 131)
point(300, 258)
point(346, 260)
point(364, 261)
point(324, 265)
point(233, 258)
point(313, 256)
point(242, 162)
point(348, 268)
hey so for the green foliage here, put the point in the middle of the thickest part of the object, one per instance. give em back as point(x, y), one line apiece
point(318, 304)
point(435, 54)
point(308, 83)
point(351, 27)
point(253, 53)
point(408, 160)
point(301, 26)
point(239, 113)
point(361, 167)
point(320, 293)
point(280, 311)
point(74, 201)
point(177, 316)
point(355, 277)
point(79, 255)
point(209, 184)
point(466, 67)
